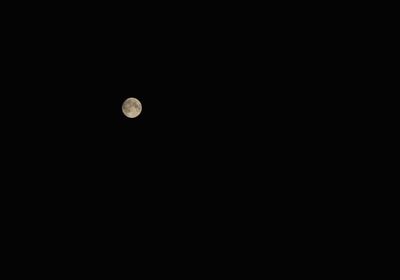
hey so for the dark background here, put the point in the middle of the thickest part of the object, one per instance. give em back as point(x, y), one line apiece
point(233, 114)
point(237, 147)
point(223, 89)
point(67, 74)
point(221, 92)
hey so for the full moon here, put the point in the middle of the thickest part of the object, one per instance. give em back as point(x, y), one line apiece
point(131, 107)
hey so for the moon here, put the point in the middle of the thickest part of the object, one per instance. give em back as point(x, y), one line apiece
point(132, 107)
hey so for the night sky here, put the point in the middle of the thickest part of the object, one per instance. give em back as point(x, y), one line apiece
point(217, 89)
point(239, 130)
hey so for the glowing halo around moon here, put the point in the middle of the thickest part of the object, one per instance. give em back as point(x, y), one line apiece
point(132, 107)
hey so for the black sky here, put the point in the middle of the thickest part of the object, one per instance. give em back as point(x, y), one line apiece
point(211, 91)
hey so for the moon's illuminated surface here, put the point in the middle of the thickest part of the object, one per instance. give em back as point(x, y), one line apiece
point(131, 107)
